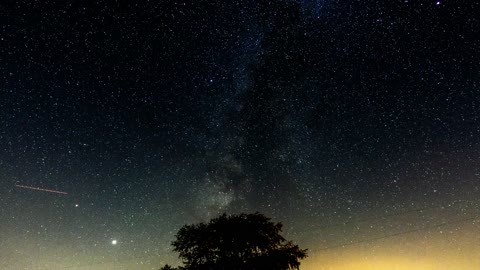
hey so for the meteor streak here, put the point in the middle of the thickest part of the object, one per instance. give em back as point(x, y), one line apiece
point(42, 189)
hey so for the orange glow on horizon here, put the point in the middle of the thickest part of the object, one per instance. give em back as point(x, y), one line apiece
point(456, 250)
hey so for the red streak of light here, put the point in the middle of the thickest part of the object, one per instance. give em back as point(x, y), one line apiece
point(43, 189)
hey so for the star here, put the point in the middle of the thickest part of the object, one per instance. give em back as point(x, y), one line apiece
point(114, 242)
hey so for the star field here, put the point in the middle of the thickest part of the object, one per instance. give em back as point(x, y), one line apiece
point(355, 124)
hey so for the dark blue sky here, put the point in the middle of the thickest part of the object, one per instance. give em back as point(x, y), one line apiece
point(155, 114)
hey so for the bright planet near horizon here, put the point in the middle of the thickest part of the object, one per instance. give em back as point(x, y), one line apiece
point(356, 124)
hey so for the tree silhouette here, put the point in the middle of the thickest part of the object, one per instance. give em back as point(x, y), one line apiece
point(168, 267)
point(237, 242)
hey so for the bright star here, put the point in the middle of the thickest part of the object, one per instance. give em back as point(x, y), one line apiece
point(114, 242)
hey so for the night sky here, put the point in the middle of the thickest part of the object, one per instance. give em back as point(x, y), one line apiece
point(354, 123)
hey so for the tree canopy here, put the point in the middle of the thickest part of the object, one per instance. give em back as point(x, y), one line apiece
point(237, 242)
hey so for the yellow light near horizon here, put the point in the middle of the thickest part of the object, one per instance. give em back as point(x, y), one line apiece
point(381, 264)
point(395, 263)
point(456, 249)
